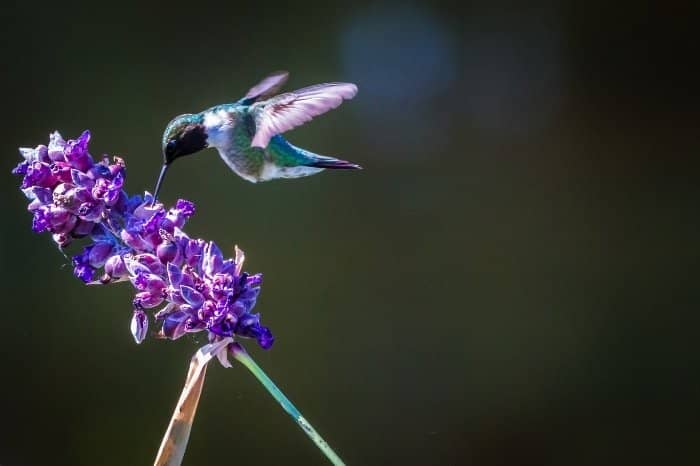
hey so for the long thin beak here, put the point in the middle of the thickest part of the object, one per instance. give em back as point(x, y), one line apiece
point(161, 177)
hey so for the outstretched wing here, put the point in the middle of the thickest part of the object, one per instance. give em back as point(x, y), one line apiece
point(266, 88)
point(292, 109)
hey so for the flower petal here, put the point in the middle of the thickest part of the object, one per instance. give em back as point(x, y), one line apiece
point(56, 146)
point(174, 325)
point(174, 274)
point(192, 296)
point(134, 267)
point(213, 259)
point(239, 259)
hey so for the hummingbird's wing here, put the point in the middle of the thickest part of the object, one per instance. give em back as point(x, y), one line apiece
point(292, 109)
point(266, 88)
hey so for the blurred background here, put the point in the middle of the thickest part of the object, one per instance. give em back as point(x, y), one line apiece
point(511, 280)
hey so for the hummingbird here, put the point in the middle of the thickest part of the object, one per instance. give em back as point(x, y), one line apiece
point(247, 133)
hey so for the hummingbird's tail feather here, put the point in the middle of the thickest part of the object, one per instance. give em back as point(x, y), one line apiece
point(290, 161)
point(332, 163)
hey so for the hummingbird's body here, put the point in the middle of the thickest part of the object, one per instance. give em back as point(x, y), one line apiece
point(247, 133)
point(231, 129)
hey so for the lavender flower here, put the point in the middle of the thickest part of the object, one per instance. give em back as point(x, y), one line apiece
point(72, 196)
point(68, 191)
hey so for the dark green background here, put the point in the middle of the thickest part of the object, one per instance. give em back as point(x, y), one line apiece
point(511, 280)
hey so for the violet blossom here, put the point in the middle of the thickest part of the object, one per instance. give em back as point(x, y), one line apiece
point(189, 280)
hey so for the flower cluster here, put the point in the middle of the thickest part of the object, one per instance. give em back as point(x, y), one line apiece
point(69, 192)
point(135, 239)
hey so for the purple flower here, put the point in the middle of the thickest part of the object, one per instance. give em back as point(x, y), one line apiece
point(72, 196)
point(69, 193)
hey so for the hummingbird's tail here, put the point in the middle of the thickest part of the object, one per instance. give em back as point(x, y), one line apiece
point(293, 162)
point(330, 162)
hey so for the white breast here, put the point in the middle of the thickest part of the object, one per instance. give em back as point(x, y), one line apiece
point(219, 126)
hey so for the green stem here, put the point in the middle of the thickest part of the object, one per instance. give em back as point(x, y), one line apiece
point(242, 356)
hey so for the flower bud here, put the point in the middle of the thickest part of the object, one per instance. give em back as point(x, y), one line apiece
point(115, 267)
point(150, 282)
point(133, 239)
point(76, 152)
point(151, 262)
point(58, 215)
point(139, 325)
point(147, 300)
point(90, 211)
point(67, 226)
point(38, 174)
point(167, 251)
point(62, 172)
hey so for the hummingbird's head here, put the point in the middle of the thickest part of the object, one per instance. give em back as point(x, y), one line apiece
point(184, 135)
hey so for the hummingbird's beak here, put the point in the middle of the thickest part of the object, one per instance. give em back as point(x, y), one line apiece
point(161, 177)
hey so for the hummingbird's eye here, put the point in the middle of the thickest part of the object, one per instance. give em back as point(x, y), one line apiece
point(170, 148)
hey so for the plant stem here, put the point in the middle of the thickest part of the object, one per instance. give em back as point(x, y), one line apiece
point(172, 448)
point(242, 356)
